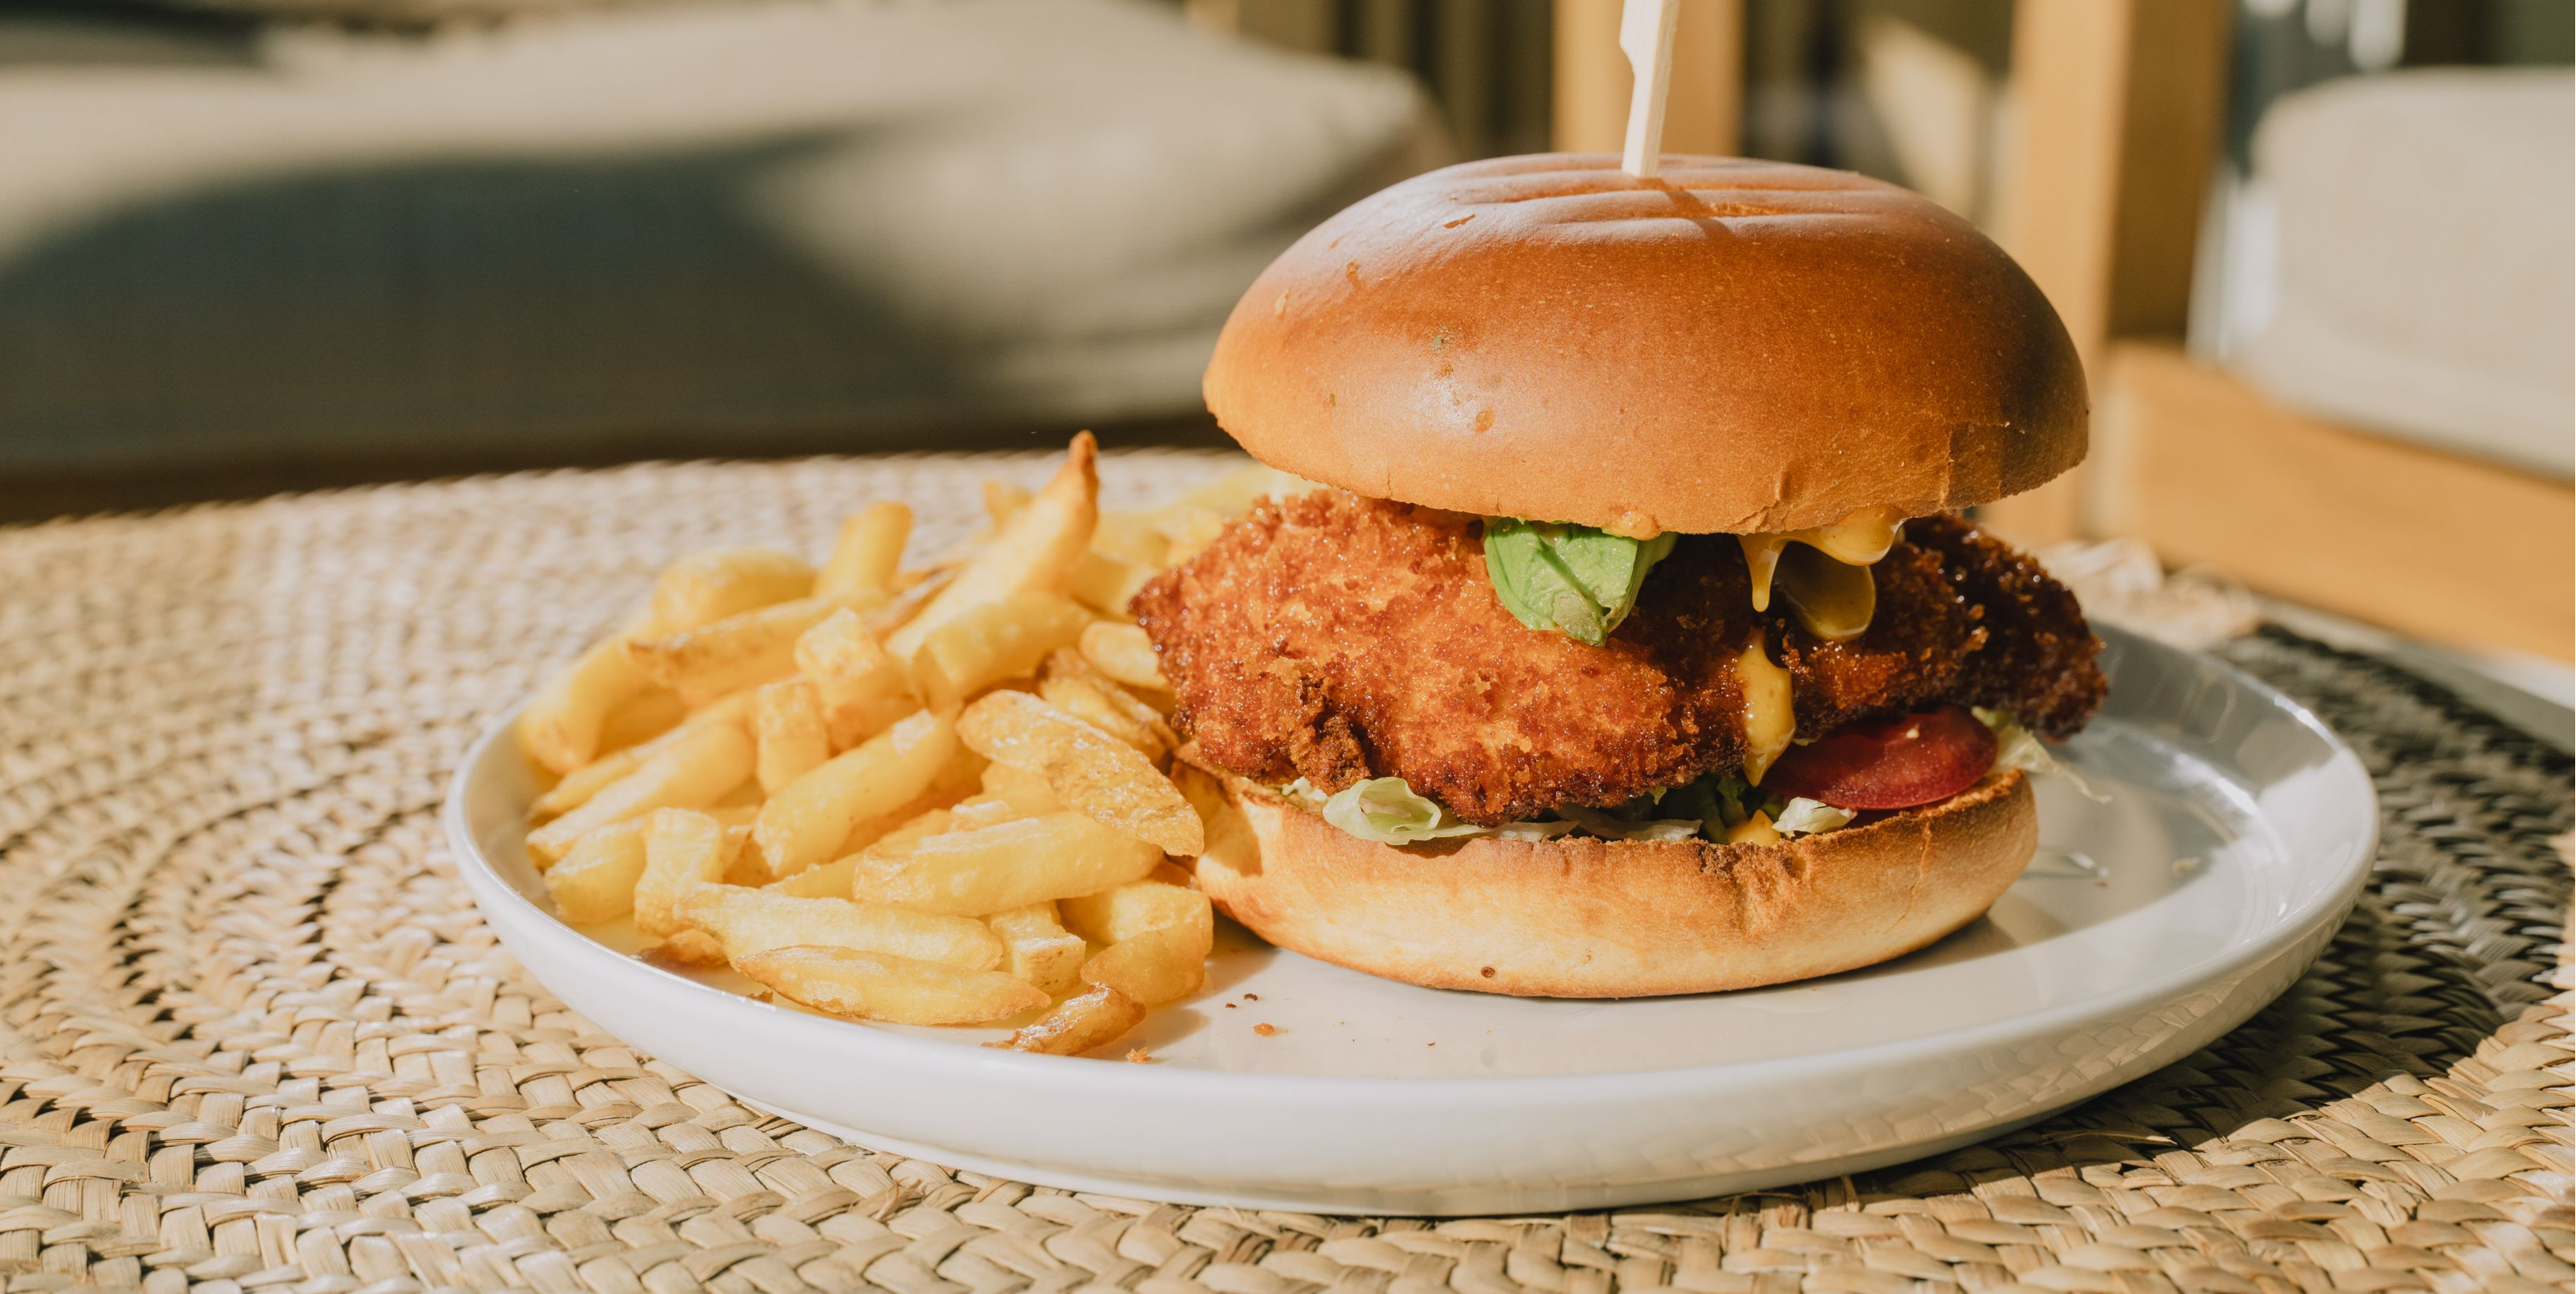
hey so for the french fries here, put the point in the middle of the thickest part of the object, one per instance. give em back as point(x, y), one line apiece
point(808, 818)
point(1024, 791)
point(682, 850)
point(788, 729)
point(1002, 499)
point(1091, 771)
point(560, 728)
point(863, 688)
point(1007, 865)
point(703, 588)
point(1107, 584)
point(986, 644)
point(1078, 1024)
point(921, 796)
point(1034, 552)
point(595, 882)
point(1124, 653)
point(864, 561)
point(898, 990)
point(739, 651)
point(1071, 684)
point(579, 785)
point(641, 718)
point(1037, 948)
point(1123, 912)
point(693, 772)
point(748, 921)
point(1153, 968)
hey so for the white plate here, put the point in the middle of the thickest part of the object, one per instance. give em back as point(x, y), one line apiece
point(2236, 836)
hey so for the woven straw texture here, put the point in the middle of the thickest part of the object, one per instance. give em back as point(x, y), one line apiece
point(254, 1036)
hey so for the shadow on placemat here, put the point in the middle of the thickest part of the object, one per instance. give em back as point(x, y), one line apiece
point(253, 1034)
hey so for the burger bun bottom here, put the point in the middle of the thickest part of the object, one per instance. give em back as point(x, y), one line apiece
point(1588, 918)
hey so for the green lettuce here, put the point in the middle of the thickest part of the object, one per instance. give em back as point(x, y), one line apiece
point(2016, 747)
point(1387, 810)
point(1574, 579)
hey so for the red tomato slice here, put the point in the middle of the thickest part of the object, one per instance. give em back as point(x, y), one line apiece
point(1888, 763)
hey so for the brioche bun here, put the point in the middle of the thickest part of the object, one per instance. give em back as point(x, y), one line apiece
point(1738, 346)
point(1604, 918)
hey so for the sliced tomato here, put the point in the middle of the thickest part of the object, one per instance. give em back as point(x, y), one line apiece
point(1888, 763)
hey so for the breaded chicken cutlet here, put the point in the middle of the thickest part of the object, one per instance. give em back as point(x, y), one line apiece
point(1338, 638)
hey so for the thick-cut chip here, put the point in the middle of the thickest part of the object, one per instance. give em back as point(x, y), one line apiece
point(641, 719)
point(1034, 552)
point(1234, 493)
point(864, 689)
point(1013, 864)
point(755, 921)
point(788, 724)
point(805, 823)
point(702, 588)
point(984, 645)
point(1004, 499)
point(829, 881)
point(1106, 584)
point(596, 881)
point(1091, 771)
point(1191, 528)
point(1078, 1024)
point(697, 770)
point(865, 558)
point(1071, 684)
point(1124, 653)
point(1123, 912)
point(684, 950)
point(1023, 790)
point(978, 811)
point(736, 652)
point(561, 726)
point(873, 986)
point(683, 849)
point(1153, 968)
point(1036, 947)
point(579, 785)
point(1130, 537)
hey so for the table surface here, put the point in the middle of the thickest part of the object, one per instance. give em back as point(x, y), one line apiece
point(253, 1034)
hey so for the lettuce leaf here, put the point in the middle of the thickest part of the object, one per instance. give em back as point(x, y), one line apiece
point(1574, 579)
point(1805, 817)
point(2017, 747)
point(1388, 811)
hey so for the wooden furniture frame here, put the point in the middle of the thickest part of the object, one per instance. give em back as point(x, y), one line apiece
point(2120, 104)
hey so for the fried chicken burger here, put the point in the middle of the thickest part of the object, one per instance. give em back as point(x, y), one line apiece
point(1634, 642)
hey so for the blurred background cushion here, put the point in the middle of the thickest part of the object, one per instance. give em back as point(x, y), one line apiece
point(2404, 259)
point(845, 221)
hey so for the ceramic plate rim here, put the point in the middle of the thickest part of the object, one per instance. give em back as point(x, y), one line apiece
point(960, 1058)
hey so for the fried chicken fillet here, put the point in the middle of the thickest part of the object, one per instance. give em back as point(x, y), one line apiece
point(1339, 638)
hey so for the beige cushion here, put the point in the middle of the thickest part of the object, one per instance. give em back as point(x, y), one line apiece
point(747, 216)
point(2425, 281)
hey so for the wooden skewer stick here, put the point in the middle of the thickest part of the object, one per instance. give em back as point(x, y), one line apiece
point(1646, 37)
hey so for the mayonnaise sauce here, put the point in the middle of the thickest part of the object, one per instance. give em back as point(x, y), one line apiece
point(1832, 598)
point(1755, 830)
point(1768, 723)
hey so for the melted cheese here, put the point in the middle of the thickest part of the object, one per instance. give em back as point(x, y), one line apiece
point(1755, 830)
point(1826, 577)
point(1857, 540)
point(1834, 601)
point(1768, 723)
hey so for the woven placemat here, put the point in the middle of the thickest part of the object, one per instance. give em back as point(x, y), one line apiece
point(254, 1036)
